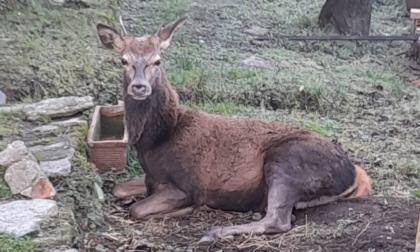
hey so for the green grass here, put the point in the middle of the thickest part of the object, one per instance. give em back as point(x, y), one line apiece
point(10, 243)
point(58, 51)
point(4, 190)
point(133, 168)
point(221, 108)
point(328, 129)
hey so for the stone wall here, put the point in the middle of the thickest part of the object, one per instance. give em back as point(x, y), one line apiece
point(54, 193)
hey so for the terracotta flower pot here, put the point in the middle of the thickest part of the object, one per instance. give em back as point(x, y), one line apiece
point(108, 138)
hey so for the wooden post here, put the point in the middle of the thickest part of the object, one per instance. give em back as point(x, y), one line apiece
point(415, 16)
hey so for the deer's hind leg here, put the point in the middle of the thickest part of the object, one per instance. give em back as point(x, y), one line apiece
point(283, 194)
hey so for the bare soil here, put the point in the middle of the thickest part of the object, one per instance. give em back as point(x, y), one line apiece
point(373, 224)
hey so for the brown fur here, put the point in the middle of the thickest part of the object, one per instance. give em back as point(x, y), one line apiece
point(192, 158)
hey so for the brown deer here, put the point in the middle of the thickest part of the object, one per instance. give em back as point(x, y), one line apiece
point(191, 158)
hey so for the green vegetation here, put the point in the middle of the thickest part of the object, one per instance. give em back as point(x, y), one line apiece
point(10, 243)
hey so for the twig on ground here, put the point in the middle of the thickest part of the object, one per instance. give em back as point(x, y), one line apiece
point(355, 239)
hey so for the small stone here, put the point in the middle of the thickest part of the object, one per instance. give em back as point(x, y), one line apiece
point(258, 62)
point(256, 31)
point(19, 176)
point(98, 191)
point(42, 189)
point(56, 168)
point(14, 152)
point(256, 216)
point(25, 177)
point(21, 217)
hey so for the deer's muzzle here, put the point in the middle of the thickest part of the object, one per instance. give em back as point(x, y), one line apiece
point(139, 90)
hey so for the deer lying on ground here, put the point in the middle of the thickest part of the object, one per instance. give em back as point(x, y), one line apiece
point(191, 158)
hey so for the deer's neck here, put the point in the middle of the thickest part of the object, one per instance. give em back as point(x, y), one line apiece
point(150, 122)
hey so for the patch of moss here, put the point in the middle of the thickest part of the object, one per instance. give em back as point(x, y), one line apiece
point(9, 243)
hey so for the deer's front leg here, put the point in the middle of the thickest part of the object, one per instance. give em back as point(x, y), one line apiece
point(167, 198)
point(130, 188)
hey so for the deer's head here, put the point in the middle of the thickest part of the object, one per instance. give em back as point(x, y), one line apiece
point(140, 56)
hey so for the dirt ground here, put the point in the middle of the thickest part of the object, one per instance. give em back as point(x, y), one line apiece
point(374, 224)
point(358, 93)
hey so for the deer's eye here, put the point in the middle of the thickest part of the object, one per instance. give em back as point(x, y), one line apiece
point(157, 63)
point(124, 62)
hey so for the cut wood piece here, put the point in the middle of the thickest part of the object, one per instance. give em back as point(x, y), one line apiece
point(348, 17)
point(415, 13)
point(418, 236)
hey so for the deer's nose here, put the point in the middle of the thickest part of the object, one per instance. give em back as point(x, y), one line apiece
point(138, 89)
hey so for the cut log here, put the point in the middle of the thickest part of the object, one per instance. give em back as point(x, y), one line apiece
point(348, 17)
point(418, 236)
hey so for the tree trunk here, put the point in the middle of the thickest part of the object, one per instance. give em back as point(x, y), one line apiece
point(348, 17)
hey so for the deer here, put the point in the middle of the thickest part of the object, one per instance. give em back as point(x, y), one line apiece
point(192, 159)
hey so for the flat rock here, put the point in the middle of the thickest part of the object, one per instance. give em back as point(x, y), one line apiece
point(58, 107)
point(19, 176)
point(69, 123)
point(45, 133)
point(52, 133)
point(41, 135)
point(62, 250)
point(54, 151)
point(14, 152)
point(52, 108)
point(256, 31)
point(55, 168)
point(21, 217)
point(258, 62)
point(25, 177)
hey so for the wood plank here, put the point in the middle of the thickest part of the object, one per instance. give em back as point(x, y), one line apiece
point(418, 236)
point(415, 13)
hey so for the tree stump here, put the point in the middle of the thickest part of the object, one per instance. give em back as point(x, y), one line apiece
point(348, 17)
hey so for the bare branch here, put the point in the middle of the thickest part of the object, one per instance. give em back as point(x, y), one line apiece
point(122, 26)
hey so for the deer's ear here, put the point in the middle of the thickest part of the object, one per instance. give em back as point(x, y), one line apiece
point(167, 31)
point(110, 38)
